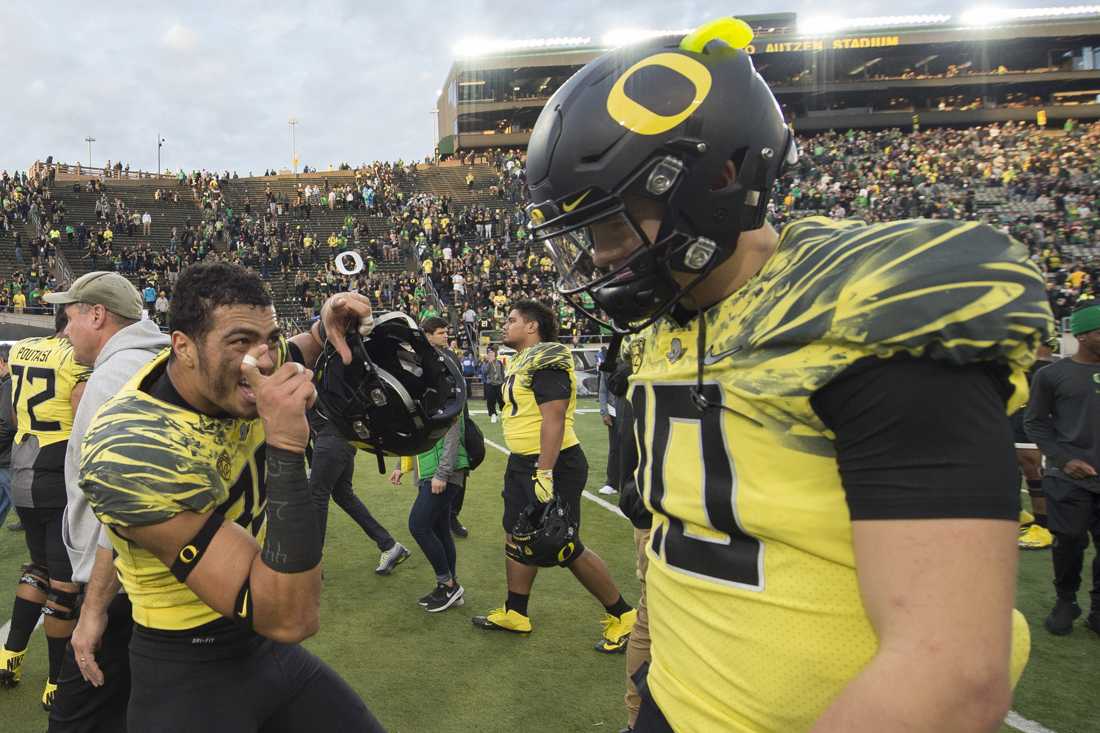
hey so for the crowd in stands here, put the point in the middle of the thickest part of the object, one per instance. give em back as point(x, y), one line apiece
point(1040, 187)
point(423, 253)
point(27, 203)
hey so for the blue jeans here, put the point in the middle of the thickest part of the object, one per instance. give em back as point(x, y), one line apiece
point(5, 493)
point(430, 526)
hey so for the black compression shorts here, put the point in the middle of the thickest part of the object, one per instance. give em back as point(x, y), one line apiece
point(42, 531)
point(570, 476)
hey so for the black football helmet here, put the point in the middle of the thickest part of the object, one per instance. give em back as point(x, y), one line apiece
point(546, 535)
point(398, 396)
point(655, 121)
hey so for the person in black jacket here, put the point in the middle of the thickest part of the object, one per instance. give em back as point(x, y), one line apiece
point(1063, 418)
point(7, 433)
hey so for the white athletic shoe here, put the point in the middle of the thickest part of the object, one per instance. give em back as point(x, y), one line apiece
point(606, 490)
point(492, 418)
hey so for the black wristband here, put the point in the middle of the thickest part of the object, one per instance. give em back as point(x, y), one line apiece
point(293, 541)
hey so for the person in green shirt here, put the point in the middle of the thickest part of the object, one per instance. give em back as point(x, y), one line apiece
point(441, 477)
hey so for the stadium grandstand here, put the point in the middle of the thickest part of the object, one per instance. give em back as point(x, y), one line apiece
point(827, 72)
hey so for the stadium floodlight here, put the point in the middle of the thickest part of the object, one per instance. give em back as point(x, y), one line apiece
point(824, 25)
point(627, 36)
point(983, 16)
point(987, 16)
point(486, 46)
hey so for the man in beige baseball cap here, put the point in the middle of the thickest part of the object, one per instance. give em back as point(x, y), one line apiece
point(108, 289)
point(108, 333)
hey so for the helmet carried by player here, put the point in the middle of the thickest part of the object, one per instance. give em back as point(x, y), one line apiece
point(659, 122)
point(545, 535)
point(398, 396)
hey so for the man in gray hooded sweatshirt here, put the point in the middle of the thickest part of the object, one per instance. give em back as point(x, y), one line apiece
point(107, 333)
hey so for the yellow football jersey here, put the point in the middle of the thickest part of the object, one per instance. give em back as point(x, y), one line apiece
point(144, 461)
point(755, 610)
point(44, 374)
point(522, 420)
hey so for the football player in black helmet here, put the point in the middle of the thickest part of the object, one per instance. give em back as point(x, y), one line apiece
point(832, 476)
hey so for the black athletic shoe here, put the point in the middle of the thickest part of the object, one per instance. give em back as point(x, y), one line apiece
point(1060, 620)
point(443, 597)
point(457, 529)
point(1092, 623)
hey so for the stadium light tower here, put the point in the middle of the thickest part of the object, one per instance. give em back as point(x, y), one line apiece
point(89, 140)
point(160, 144)
point(293, 122)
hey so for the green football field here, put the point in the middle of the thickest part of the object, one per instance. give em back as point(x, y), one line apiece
point(436, 672)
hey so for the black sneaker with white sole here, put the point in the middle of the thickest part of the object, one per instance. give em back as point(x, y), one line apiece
point(443, 597)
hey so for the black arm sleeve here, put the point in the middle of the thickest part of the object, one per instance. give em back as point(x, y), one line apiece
point(551, 384)
point(293, 543)
point(1039, 421)
point(918, 439)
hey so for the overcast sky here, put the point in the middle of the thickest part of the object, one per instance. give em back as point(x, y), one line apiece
point(219, 80)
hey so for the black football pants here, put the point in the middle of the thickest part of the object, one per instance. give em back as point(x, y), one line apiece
point(1073, 513)
point(331, 470)
point(276, 688)
point(78, 707)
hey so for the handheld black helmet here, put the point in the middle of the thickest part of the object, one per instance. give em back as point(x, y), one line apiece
point(546, 535)
point(659, 121)
point(398, 396)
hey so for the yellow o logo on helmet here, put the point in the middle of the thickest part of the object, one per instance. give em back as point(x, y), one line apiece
point(643, 121)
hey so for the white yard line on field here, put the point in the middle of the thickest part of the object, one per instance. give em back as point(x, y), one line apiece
point(1020, 723)
point(591, 497)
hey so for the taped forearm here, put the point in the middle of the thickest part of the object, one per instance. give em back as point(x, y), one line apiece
point(293, 542)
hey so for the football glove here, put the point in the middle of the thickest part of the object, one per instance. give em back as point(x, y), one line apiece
point(544, 484)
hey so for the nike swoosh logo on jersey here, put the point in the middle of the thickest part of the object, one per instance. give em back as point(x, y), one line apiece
point(569, 207)
point(710, 357)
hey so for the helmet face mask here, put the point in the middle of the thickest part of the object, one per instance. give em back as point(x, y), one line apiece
point(641, 287)
point(658, 123)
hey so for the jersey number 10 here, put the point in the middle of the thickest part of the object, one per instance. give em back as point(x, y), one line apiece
point(732, 558)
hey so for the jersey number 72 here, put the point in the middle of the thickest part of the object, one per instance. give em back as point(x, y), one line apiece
point(25, 374)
